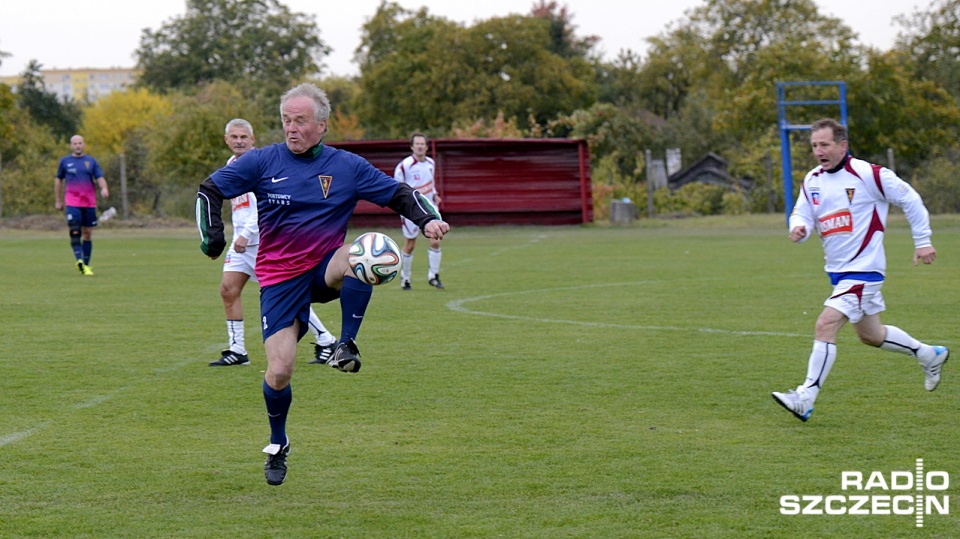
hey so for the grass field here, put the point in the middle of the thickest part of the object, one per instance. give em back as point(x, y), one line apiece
point(588, 382)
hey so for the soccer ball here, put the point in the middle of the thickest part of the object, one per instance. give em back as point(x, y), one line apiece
point(374, 258)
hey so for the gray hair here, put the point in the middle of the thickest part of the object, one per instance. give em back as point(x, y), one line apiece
point(321, 105)
point(238, 122)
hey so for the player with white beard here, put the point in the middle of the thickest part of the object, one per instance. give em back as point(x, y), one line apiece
point(846, 201)
point(240, 263)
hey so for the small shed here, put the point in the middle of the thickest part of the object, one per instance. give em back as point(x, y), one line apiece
point(710, 169)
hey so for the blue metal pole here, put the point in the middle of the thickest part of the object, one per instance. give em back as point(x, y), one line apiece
point(787, 166)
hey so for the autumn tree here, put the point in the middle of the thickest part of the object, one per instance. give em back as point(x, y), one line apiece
point(188, 145)
point(118, 124)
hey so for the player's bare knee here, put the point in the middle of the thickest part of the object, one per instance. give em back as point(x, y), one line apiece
point(230, 292)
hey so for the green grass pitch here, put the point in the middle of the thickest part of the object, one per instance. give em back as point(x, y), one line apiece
point(570, 382)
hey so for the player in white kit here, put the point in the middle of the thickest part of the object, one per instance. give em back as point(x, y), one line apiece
point(241, 260)
point(417, 171)
point(846, 201)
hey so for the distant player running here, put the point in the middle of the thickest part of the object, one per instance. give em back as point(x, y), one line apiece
point(846, 201)
point(82, 175)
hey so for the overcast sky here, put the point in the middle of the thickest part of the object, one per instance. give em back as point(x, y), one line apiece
point(105, 33)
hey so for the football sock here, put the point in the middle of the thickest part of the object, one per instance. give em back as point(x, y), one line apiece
point(235, 337)
point(87, 248)
point(320, 333)
point(897, 340)
point(278, 404)
point(822, 357)
point(354, 298)
point(406, 262)
point(433, 261)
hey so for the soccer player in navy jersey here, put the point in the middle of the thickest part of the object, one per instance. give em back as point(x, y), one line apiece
point(306, 192)
point(241, 260)
point(846, 200)
point(82, 175)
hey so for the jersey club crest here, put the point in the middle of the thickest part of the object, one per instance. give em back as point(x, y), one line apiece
point(325, 182)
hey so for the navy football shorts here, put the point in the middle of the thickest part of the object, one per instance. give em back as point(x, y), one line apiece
point(282, 303)
point(84, 216)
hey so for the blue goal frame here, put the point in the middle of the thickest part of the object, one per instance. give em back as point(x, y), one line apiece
point(786, 127)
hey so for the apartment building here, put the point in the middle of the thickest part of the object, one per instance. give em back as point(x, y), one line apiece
point(83, 84)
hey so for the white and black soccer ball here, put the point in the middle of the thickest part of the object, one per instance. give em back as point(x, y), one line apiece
point(374, 258)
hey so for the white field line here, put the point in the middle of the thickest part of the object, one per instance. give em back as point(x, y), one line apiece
point(460, 307)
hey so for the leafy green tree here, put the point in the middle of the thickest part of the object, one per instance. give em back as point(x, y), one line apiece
point(931, 40)
point(253, 43)
point(563, 38)
point(30, 153)
point(448, 74)
point(344, 122)
point(890, 108)
point(62, 118)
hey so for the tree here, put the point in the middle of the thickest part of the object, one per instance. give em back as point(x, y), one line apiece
point(61, 117)
point(30, 152)
point(113, 118)
point(116, 125)
point(453, 74)
point(563, 38)
point(891, 108)
point(253, 43)
point(188, 145)
point(931, 40)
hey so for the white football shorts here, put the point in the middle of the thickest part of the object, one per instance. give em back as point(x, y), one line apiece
point(245, 262)
point(410, 229)
point(855, 298)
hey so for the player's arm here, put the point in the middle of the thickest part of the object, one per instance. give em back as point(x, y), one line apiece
point(58, 193)
point(409, 203)
point(251, 225)
point(209, 222)
point(104, 192)
point(902, 194)
point(800, 224)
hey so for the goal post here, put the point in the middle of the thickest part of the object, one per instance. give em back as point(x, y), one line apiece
point(786, 126)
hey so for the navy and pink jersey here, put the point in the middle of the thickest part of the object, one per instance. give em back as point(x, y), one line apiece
point(80, 176)
point(304, 202)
